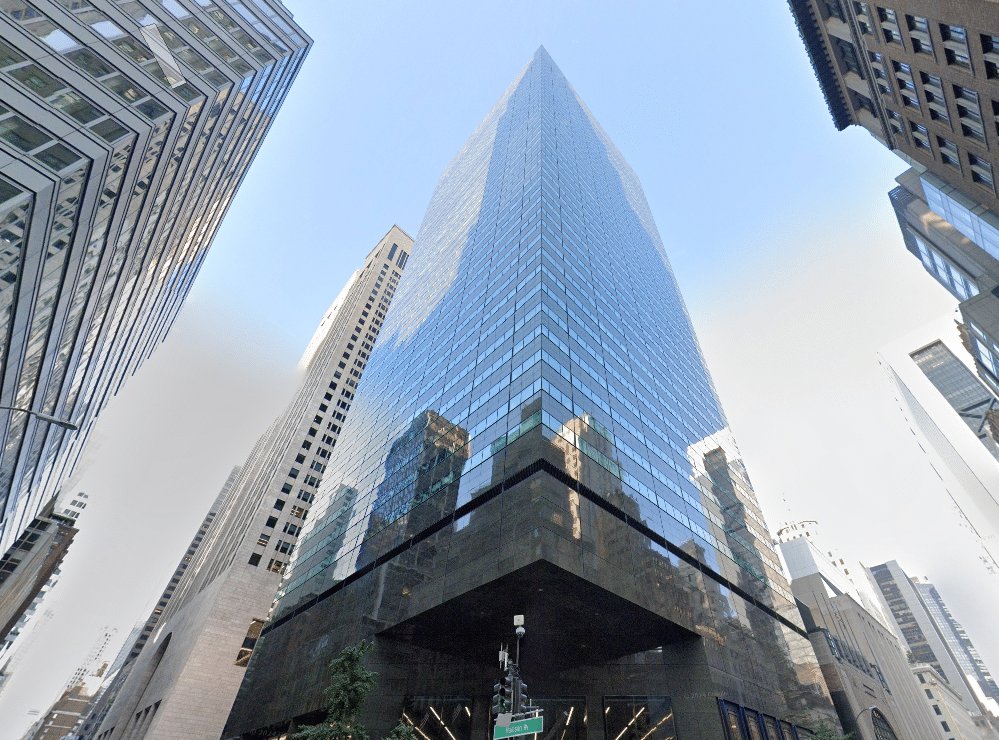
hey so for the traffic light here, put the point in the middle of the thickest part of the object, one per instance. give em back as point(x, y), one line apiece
point(523, 700)
point(497, 707)
point(503, 694)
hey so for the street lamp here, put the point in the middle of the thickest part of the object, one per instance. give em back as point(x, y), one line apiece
point(856, 717)
point(45, 417)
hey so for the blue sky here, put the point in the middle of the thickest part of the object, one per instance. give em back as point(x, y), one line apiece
point(778, 228)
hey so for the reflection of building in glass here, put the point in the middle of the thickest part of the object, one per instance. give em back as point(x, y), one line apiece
point(420, 488)
point(956, 238)
point(30, 570)
point(540, 319)
point(185, 667)
point(125, 131)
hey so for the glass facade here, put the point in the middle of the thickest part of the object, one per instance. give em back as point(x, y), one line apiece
point(537, 417)
point(961, 389)
point(539, 282)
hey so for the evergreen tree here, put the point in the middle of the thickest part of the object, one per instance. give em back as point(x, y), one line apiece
point(349, 684)
point(827, 732)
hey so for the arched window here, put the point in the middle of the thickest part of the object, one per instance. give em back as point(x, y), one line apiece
point(882, 730)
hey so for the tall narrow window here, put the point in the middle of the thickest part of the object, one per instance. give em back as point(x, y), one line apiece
point(889, 25)
point(252, 635)
point(956, 45)
point(919, 34)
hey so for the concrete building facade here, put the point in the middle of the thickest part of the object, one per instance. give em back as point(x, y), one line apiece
point(183, 679)
point(954, 721)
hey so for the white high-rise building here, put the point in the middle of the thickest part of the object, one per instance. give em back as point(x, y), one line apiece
point(186, 676)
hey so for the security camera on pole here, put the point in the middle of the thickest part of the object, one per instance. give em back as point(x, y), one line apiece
point(515, 715)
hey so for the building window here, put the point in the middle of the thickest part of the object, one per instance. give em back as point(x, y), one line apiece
point(880, 75)
point(889, 25)
point(943, 724)
point(847, 52)
point(922, 678)
point(263, 539)
point(279, 504)
point(906, 84)
point(946, 273)
point(920, 136)
point(863, 13)
point(299, 511)
point(948, 153)
point(934, 94)
point(929, 694)
point(271, 522)
point(937, 709)
point(639, 717)
point(919, 34)
point(990, 50)
point(895, 121)
point(956, 45)
point(981, 172)
point(255, 559)
point(252, 635)
point(970, 113)
point(861, 102)
point(882, 730)
point(833, 10)
point(275, 565)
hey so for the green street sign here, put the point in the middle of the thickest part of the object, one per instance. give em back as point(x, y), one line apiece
point(521, 727)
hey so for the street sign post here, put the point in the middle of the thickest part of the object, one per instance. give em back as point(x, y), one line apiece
point(520, 727)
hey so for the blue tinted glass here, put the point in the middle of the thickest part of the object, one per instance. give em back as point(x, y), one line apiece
point(538, 322)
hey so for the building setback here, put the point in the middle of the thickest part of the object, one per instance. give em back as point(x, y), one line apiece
point(537, 435)
point(126, 127)
point(183, 680)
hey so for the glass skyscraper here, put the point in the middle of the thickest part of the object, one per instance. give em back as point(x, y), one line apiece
point(537, 434)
